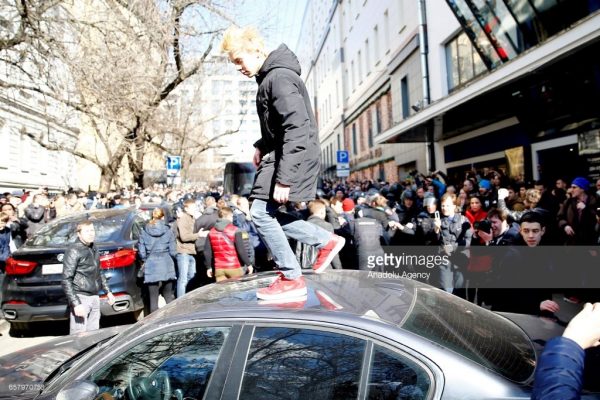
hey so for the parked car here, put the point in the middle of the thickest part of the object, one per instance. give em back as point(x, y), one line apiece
point(351, 337)
point(32, 290)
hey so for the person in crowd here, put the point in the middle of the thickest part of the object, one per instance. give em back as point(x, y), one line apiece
point(38, 213)
point(403, 230)
point(186, 248)
point(475, 211)
point(468, 187)
point(425, 233)
point(157, 249)
point(6, 245)
point(243, 220)
point(72, 206)
point(532, 198)
point(227, 250)
point(83, 279)
point(348, 252)
point(287, 157)
point(559, 371)
point(462, 201)
point(513, 201)
point(486, 194)
point(454, 234)
point(502, 232)
point(116, 201)
point(522, 277)
point(578, 216)
point(18, 227)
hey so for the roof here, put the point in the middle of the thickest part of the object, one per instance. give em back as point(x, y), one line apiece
point(347, 291)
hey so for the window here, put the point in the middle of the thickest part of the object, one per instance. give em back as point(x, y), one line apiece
point(405, 98)
point(180, 362)
point(377, 118)
point(376, 40)
point(352, 76)
point(288, 363)
point(462, 61)
point(396, 377)
point(360, 70)
point(367, 57)
point(354, 143)
point(370, 127)
point(386, 30)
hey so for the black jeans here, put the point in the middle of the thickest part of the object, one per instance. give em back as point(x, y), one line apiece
point(163, 287)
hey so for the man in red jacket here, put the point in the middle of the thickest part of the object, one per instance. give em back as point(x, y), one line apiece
point(228, 249)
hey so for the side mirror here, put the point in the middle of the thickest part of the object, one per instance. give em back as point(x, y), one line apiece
point(79, 390)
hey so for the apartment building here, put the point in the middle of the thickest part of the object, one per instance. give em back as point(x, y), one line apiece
point(364, 72)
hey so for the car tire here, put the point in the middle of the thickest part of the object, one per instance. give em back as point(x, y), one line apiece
point(19, 329)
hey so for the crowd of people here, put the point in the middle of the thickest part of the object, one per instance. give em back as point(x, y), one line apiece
point(212, 236)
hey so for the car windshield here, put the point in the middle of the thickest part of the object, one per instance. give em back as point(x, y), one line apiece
point(62, 232)
point(478, 334)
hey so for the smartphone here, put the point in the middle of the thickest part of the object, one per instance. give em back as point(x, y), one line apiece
point(437, 214)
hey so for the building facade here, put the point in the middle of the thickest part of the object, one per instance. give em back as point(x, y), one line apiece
point(513, 88)
point(361, 64)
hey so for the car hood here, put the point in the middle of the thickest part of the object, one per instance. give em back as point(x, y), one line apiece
point(23, 373)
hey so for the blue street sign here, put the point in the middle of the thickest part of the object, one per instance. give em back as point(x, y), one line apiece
point(342, 156)
point(173, 163)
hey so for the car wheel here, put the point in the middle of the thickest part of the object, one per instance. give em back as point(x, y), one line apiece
point(19, 329)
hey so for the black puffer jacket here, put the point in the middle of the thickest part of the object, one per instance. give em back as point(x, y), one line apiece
point(289, 140)
point(81, 272)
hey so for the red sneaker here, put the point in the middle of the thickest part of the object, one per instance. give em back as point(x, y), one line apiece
point(327, 253)
point(283, 288)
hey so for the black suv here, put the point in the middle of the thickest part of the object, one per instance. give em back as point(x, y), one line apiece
point(32, 288)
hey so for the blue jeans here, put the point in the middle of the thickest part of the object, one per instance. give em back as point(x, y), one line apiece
point(186, 267)
point(275, 227)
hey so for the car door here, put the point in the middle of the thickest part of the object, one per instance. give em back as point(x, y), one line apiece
point(187, 362)
point(313, 362)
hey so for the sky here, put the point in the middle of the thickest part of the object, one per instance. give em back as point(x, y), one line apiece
point(278, 20)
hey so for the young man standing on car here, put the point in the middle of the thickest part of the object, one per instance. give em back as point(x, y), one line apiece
point(83, 279)
point(287, 158)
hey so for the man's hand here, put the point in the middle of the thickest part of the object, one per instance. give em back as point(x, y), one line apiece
point(569, 231)
point(281, 193)
point(257, 157)
point(79, 310)
point(486, 237)
point(111, 298)
point(549, 305)
point(584, 328)
point(209, 272)
point(502, 194)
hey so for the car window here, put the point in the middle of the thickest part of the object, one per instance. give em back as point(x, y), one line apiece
point(176, 364)
point(287, 363)
point(394, 376)
point(64, 231)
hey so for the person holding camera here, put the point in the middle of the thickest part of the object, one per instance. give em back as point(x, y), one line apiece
point(454, 235)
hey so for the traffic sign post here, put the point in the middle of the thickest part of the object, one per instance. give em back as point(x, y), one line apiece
point(343, 164)
point(173, 165)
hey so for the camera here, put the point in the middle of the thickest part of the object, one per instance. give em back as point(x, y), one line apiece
point(483, 225)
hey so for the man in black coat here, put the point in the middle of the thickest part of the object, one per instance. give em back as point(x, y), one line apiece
point(287, 158)
point(83, 279)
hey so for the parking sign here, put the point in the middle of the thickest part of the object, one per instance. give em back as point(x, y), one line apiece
point(343, 157)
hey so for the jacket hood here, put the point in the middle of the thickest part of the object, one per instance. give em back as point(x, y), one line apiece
point(221, 224)
point(281, 57)
point(157, 229)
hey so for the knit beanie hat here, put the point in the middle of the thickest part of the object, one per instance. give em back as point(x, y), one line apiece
point(581, 182)
point(348, 205)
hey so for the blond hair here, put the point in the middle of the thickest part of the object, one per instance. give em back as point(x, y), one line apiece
point(237, 39)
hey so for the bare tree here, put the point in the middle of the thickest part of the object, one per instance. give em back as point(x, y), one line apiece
point(115, 66)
